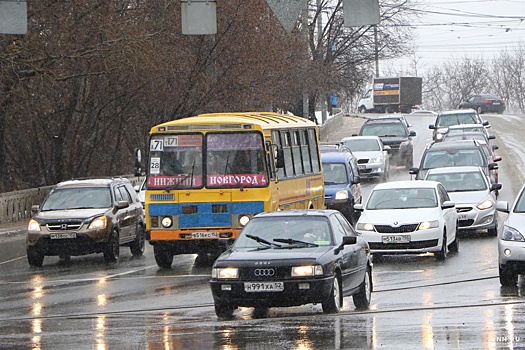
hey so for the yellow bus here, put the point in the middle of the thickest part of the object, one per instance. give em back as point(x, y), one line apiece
point(209, 174)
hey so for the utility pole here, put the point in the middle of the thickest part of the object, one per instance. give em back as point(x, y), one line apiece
point(376, 51)
point(322, 97)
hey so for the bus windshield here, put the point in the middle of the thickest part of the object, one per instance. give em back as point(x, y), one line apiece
point(214, 160)
point(235, 160)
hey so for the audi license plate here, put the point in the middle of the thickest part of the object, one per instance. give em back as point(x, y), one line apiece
point(205, 234)
point(66, 235)
point(396, 239)
point(263, 286)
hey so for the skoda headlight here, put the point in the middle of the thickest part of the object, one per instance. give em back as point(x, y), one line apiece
point(341, 195)
point(425, 225)
point(225, 272)
point(511, 234)
point(309, 270)
point(485, 204)
point(365, 227)
point(33, 225)
point(99, 223)
point(377, 159)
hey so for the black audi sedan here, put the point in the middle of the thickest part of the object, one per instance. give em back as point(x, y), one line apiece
point(292, 258)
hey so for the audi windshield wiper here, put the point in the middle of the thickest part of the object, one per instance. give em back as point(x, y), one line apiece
point(294, 241)
point(263, 241)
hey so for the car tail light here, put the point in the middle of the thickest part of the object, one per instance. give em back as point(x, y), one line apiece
point(488, 102)
point(502, 101)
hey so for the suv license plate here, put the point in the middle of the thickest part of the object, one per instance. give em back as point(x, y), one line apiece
point(205, 235)
point(396, 239)
point(263, 286)
point(68, 235)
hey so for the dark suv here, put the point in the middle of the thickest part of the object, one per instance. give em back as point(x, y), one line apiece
point(394, 133)
point(81, 217)
point(455, 153)
point(454, 117)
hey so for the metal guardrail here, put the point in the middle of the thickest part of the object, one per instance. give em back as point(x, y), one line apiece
point(16, 206)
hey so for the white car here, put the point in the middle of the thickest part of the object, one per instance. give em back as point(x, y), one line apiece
point(402, 217)
point(511, 240)
point(372, 156)
point(141, 191)
point(473, 194)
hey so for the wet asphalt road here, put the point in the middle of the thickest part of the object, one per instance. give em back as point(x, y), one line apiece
point(418, 303)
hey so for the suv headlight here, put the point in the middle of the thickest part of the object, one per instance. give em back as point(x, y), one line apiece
point(511, 234)
point(377, 159)
point(33, 225)
point(98, 223)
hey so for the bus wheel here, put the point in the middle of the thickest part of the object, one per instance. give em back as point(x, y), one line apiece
point(163, 255)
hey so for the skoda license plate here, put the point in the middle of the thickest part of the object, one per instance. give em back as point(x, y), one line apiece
point(66, 235)
point(396, 239)
point(263, 286)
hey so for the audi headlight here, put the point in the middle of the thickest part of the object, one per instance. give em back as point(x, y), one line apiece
point(365, 227)
point(166, 221)
point(99, 223)
point(33, 225)
point(225, 272)
point(309, 270)
point(511, 234)
point(425, 225)
point(485, 204)
point(341, 195)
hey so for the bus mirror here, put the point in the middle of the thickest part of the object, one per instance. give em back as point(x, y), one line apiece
point(279, 163)
point(138, 162)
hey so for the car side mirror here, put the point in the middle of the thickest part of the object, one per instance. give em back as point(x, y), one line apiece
point(432, 126)
point(122, 204)
point(387, 148)
point(413, 171)
point(485, 123)
point(448, 205)
point(497, 158)
point(356, 179)
point(502, 206)
point(493, 166)
point(347, 240)
point(412, 133)
point(492, 137)
point(495, 187)
point(35, 208)
point(358, 207)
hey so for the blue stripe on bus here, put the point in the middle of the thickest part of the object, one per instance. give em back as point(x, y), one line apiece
point(205, 216)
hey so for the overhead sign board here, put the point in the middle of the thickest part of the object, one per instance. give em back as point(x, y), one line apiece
point(199, 17)
point(13, 17)
point(359, 13)
point(287, 11)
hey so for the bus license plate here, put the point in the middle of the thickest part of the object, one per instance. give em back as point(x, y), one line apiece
point(68, 235)
point(396, 239)
point(205, 235)
point(263, 286)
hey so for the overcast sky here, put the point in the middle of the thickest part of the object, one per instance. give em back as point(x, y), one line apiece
point(466, 28)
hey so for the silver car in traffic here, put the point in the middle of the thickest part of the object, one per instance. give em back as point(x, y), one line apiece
point(511, 240)
point(474, 195)
point(372, 156)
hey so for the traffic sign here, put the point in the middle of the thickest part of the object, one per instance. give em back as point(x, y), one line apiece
point(359, 13)
point(199, 17)
point(287, 11)
point(13, 17)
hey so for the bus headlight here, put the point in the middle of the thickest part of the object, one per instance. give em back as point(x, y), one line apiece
point(166, 221)
point(244, 219)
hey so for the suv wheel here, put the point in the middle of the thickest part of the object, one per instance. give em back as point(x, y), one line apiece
point(35, 257)
point(362, 109)
point(138, 245)
point(112, 249)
